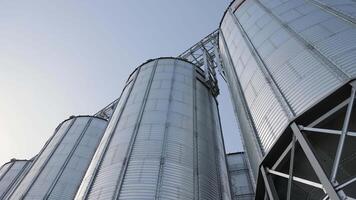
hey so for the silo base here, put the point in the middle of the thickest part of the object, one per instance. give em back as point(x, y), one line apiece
point(315, 158)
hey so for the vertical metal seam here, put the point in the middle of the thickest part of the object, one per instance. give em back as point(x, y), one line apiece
point(134, 134)
point(260, 149)
point(195, 135)
point(15, 179)
point(164, 142)
point(10, 193)
point(331, 66)
point(69, 157)
point(277, 91)
point(108, 142)
point(48, 158)
point(216, 148)
point(334, 12)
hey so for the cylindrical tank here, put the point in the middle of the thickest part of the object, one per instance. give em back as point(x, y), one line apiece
point(10, 172)
point(281, 57)
point(163, 140)
point(58, 169)
point(242, 187)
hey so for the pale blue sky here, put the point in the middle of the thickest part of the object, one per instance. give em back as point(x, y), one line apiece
point(63, 57)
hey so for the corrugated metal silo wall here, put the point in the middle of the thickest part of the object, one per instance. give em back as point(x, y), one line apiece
point(163, 140)
point(10, 173)
point(286, 56)
point(58, 169)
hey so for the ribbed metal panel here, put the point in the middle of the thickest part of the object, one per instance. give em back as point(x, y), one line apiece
point(58, 169)
point(340, 7)
point(10, 173)
point(256, 87)
point(291, 53)
point(4, 168)
point(250, 138)
point(162, 139)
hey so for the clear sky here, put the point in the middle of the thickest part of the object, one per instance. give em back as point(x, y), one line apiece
point(63, 57)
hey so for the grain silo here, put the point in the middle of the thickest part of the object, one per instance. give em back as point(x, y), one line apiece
point(58, 169)
point(291, 70)
point(164, 139)
point(10, 173)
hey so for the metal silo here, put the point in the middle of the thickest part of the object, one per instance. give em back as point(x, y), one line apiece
point(290, 66)
point(163, 140)
point(58, 169)
point(242, 187)
point(10, 172)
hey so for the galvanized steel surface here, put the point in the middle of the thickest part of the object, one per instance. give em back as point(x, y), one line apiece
point(307, 48)
point(240, 179)
point(10, 173)
point(58, 169)
point(163, 140)
point(248, 131)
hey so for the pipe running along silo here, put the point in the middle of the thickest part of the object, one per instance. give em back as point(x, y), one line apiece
point(163, 140)
point(10, 172)
point(58, 169)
